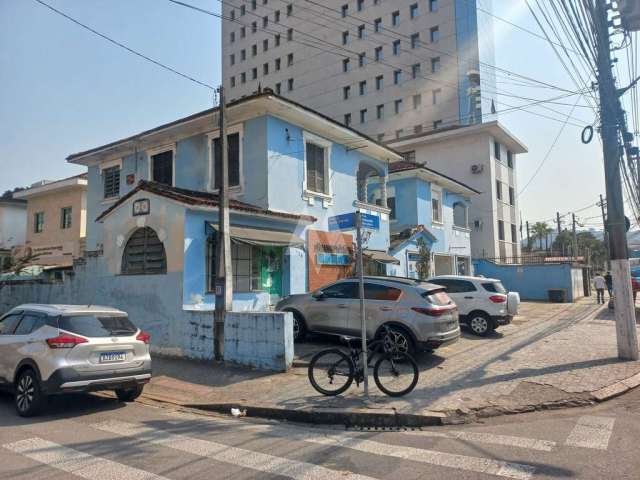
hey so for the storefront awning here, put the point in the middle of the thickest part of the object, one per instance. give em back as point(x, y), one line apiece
point(380, 257)
point(260, 237)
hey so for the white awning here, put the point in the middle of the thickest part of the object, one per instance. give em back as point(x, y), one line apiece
point(262, 237)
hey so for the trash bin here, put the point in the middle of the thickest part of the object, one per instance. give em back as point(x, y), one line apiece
point(557, 295)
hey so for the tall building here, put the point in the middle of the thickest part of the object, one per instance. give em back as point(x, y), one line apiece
point(388, 68)
point(416, 74)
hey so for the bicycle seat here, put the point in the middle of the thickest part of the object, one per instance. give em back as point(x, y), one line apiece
point(352, 342)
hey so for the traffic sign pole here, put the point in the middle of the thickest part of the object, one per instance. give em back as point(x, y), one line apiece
point(363, 320)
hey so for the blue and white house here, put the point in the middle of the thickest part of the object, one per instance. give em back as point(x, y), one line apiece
point(152, 203)
point(426, 206)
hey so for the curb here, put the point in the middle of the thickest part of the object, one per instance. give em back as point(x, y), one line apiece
point(319, 416)
point(616, 389)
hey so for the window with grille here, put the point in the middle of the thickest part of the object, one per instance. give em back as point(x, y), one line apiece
point(162, 167)
point(144, 254)
point(315, 158)
point(65, 218)
point(111, 179)
point(245, 264)
point(409, 156)
point(233, 152)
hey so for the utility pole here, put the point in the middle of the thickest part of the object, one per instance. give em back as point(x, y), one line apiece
point(626, 333)
point(224, 279)
point(528, 238)
point(606, 234)
point(574, 247)
point(363, 318)
point(558, 222)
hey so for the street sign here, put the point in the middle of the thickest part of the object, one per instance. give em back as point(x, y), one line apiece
point(347, 221)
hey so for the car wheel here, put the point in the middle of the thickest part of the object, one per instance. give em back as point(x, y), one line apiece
point(480, 324)
point(28, 395)
point(299, 328)
point(129, 394)
point(398, 340)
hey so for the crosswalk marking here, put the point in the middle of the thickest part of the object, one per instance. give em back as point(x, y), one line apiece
point(480, 437)
point(78, 463)
point(227, 454)
point(591, 432)
point(327, 438)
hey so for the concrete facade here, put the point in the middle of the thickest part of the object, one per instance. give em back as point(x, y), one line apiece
point(469, 155)
point(410, 66)
point(56, 241)
point(13, 223)
point(259, 339)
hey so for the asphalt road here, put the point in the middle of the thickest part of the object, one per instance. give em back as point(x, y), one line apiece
point(97, 438)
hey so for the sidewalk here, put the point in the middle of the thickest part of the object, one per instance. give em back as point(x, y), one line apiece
point(553, 355)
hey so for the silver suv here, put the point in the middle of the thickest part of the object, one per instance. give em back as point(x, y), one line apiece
point(52, 349)
point(420, 315)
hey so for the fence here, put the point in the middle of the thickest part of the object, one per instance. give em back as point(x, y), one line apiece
point(538, 258)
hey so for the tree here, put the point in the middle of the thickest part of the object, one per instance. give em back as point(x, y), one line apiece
point(423, 265)
point(16, 264)
point(563, 242)
point(540, 230)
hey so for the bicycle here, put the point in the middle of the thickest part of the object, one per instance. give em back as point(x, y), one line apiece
point(392, 368)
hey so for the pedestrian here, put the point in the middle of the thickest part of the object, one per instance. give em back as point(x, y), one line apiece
point(609, 280)
point(600, 284)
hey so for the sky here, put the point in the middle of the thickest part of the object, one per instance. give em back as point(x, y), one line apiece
point(65, 90)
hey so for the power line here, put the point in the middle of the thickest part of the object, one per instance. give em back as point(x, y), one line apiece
point(123, 46)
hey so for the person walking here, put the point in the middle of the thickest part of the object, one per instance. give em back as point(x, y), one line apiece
point(600, 284)
point(609, 281)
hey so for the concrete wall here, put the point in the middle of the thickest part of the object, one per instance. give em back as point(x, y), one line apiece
point(154, 304)
point(534, 281)
point(13, 225)
point(259, 339)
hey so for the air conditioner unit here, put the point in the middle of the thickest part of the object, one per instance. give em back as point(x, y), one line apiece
point(477, 168)
point(630, 13)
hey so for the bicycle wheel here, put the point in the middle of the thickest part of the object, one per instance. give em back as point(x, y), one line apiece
point(331, 372)
point(396, 374)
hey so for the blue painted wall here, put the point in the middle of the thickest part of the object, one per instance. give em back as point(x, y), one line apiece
point(532, 282)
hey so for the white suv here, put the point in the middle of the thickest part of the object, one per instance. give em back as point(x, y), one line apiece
point(53, 349)
point(483, 303)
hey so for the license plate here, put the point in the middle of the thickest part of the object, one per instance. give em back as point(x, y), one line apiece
point(110, 357)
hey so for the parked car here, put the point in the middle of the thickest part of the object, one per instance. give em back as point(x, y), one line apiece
point(56, 349)
point(484, 304)
point(420, 315)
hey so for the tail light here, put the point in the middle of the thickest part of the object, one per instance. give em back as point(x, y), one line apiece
point(498, 298)
point(65, 341)
point(433, 311)
point(143, 337)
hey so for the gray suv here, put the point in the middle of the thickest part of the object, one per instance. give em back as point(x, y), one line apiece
point(420, 315)
point(53, 349)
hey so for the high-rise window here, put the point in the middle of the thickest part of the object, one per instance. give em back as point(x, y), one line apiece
point(359, 5)
point(243, 55)
point(243, 77)
point(415, 70)
point(437, 124)
point(498, 189)
point(278, 88)
point(396, 47)
point(436, 96)
point(232, 81)
point(346, 92)
point(433, 5)
point(243, 32)
point(509, 159)
point(415, 40)
point(265, 45)
point(413, 10)
point(380, 111)
point(254, 50)
point(243, 10)
point(514, 234)
point(434, 34)
point(254, 27)
point(232, 37)
point(65, 217)
point(345, 37)
point(378, 54)
point(397, 106)
point(377, 25)
point(290, 34)
point(344, 10)
point(512, 196)
point(289, 9)
point(347, 119)
point(276, 16)
point(232, 59)
point(417, 101)
point(496, 149)
point(395, 18)
point(379, 82)
point(362, 59)
point(290, 84)
point(435, 64)
point(265, 69)
point(500, 230)
point(362, 87)
point(254, 4)
point(254, 73)
point(346, 65)
point(276, 39)
point(289, 59)
point(397, 77)
point(277, 62)
point(111, 182)
point(362, 33)
point(265, 21)
point(363, 115)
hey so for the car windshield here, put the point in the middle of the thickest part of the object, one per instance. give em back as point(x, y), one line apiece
point(97, 325)
point(494, 287)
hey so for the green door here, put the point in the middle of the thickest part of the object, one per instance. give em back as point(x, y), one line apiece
point(271, 270)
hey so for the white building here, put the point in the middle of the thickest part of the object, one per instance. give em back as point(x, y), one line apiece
point(484, 158)
point(387, 68)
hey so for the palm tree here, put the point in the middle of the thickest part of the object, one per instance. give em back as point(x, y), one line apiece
point(540, 230)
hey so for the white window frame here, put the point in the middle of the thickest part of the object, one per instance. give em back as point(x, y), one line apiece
point(437, 191)
point(158, 150)
point(211, 136)
point(307, 194)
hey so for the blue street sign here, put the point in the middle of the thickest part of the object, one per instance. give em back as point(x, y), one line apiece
point(347, 221)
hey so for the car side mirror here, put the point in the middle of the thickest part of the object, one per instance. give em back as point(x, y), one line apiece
point(318, 295)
